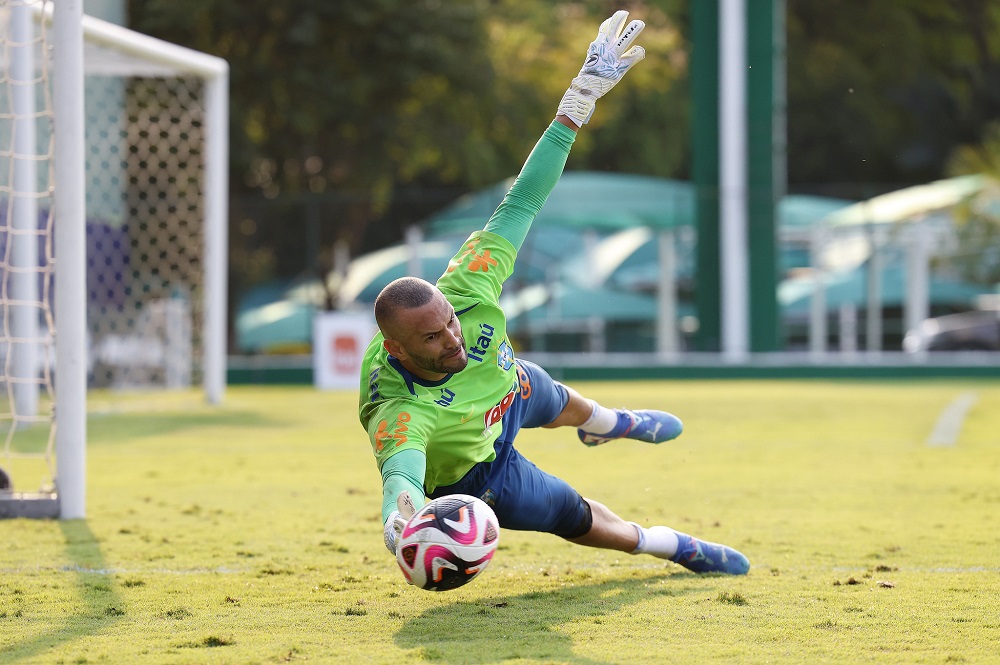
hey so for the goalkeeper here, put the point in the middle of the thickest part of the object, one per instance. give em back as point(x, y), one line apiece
point(443, 396)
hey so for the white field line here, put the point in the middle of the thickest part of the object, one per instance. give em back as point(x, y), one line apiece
point(949, 423)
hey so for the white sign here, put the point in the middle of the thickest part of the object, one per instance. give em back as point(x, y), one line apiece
point(339, 342)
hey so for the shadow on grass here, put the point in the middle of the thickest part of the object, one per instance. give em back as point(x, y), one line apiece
point(99, 608)
point(493, 630)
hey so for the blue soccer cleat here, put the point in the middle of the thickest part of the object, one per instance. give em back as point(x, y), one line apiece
point(645, 425)
point(700, 556)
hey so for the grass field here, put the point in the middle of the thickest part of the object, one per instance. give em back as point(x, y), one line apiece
point(250, 533)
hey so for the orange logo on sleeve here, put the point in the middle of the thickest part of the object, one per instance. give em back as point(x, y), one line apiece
point(397, 435)
point(478, 261)
point(482, 262)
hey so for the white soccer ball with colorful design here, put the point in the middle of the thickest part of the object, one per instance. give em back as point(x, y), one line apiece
point(448, 542)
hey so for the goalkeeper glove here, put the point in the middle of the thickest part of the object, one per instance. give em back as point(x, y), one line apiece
point(397, 520)
point(606, 63)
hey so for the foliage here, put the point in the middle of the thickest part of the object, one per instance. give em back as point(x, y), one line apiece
point(834, 65)
point(883, 92)
point(372, 96)
point(377, 94)
point(342, 95)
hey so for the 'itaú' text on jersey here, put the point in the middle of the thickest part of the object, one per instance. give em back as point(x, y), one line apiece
point(456, 420)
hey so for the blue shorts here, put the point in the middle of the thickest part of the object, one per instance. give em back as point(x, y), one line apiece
point(523, 496)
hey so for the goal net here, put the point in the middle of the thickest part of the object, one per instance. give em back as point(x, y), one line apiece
point(150, 239)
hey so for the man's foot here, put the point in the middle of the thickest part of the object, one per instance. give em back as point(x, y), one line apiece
point(700, 556)
point(645, 425)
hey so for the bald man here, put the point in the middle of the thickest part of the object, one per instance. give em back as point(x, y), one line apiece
point(443, 396)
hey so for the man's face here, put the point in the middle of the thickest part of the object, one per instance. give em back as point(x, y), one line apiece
point(429, 340)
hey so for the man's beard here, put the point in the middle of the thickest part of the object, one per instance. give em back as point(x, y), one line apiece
point(443, 365)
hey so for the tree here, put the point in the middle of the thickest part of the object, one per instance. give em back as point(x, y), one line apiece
point(883, 92)
point(356, 96)
point(364, 100)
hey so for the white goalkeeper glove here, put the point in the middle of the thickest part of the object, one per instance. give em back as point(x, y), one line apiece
point(397, 520)
point(608, 58)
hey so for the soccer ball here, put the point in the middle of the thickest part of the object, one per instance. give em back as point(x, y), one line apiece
point(448, 542)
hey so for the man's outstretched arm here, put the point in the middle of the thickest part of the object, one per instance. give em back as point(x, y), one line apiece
point(534, 183)
point(609, 57)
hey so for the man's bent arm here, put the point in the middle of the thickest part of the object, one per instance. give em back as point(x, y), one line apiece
point(533, 185)
point(403, 471)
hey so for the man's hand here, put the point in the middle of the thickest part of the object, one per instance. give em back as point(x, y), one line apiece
point(397, 520)
point(608, 58)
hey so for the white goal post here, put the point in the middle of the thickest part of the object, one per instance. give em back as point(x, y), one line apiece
point(114, 232)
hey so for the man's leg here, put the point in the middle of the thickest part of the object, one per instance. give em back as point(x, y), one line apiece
point(597, 424)
point(608, 531)
point(526, 498)
point(537, 501)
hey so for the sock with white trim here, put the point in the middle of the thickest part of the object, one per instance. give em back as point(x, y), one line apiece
point(660, 541)
point(602, 420)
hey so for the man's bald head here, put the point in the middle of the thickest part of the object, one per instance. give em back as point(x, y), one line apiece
point(399, 294)
point(420, 328)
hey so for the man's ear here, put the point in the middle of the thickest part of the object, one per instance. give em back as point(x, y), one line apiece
point(394, 348)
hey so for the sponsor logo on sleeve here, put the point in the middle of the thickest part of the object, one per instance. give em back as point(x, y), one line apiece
point(396, 435)
point(477, 262)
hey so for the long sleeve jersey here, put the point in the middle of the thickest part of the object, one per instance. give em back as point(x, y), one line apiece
point(428, 434)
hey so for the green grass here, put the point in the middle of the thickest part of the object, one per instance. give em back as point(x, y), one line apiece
point(250, 533)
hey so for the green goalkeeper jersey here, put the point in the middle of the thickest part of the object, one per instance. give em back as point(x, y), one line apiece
point(446, 427)
point(456, 420)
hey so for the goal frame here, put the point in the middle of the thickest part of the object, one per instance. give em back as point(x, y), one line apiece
point(71, 29)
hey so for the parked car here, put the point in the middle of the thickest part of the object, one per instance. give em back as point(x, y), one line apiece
point(968, 331)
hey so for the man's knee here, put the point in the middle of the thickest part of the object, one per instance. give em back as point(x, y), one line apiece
point(578, 523)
